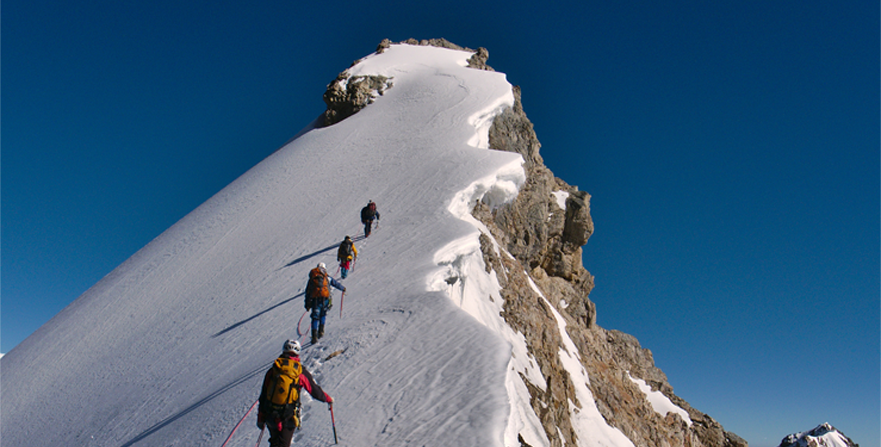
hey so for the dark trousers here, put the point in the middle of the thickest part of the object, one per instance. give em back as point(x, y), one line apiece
point(281, 434)
point(367, 225)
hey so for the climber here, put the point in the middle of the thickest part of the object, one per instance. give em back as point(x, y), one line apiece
point(346, 255)
point(368, 214)
point(279, 408)
point(318, 298)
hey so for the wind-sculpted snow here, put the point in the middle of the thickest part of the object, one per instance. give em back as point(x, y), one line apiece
point(169, 349)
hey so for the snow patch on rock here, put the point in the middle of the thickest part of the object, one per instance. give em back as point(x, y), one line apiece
point(660, 403)
point(561, 197)
point(589, 425)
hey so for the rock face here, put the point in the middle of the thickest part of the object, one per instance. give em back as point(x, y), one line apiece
point(545, 240)
point(540, 235)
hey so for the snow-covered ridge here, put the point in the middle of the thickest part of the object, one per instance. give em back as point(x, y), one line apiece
point(221, 290)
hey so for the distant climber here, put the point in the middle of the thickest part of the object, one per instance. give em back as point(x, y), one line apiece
point(318, 298)
point(368, 214)
point(279, 408)
point(346, 255)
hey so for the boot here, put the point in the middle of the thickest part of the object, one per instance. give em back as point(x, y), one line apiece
point(320, 331)
point(314, 337)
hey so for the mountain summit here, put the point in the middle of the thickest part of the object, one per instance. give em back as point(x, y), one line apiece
point(822, 435)
point(466, 319)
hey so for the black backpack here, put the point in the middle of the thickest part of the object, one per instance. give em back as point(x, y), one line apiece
point(345, 250)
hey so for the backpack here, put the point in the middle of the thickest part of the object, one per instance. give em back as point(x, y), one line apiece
point(368, 212)
point(317, 287)
point(345, 251)
point(282, 389)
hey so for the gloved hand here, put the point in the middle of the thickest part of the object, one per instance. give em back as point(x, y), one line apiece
point(260, 421)
point(329, 403)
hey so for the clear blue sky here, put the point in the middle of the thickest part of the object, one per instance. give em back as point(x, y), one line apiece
point(731, 149)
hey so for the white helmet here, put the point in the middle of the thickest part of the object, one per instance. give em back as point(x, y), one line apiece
point(292, 346)
point(322, 266)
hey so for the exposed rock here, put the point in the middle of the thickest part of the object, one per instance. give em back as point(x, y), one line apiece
point(513, 132)
point(543, 243)
point(478, 60)
point(384, 45)
point(346, 95)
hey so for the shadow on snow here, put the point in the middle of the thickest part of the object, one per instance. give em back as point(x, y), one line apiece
point(320, 251)
point(311, 255)
point(165, 422)
point(257, 315)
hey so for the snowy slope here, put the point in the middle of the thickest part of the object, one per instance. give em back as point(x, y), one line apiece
point(169, 349)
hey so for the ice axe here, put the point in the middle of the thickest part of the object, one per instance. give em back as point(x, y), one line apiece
point(333, 422)
point(343, 296)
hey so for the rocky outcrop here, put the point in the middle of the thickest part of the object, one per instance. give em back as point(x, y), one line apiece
point(347, 94)
point(542, 242)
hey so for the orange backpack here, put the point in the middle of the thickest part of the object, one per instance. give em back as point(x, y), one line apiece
point(318, 287)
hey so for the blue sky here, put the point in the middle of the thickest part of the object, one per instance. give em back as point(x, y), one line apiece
point(731, 151)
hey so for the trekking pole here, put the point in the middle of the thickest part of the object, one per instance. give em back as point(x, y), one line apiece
point(240, 423)
point(260, 437)
point(298, 324)
point(334, 425)
point(342, 297)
